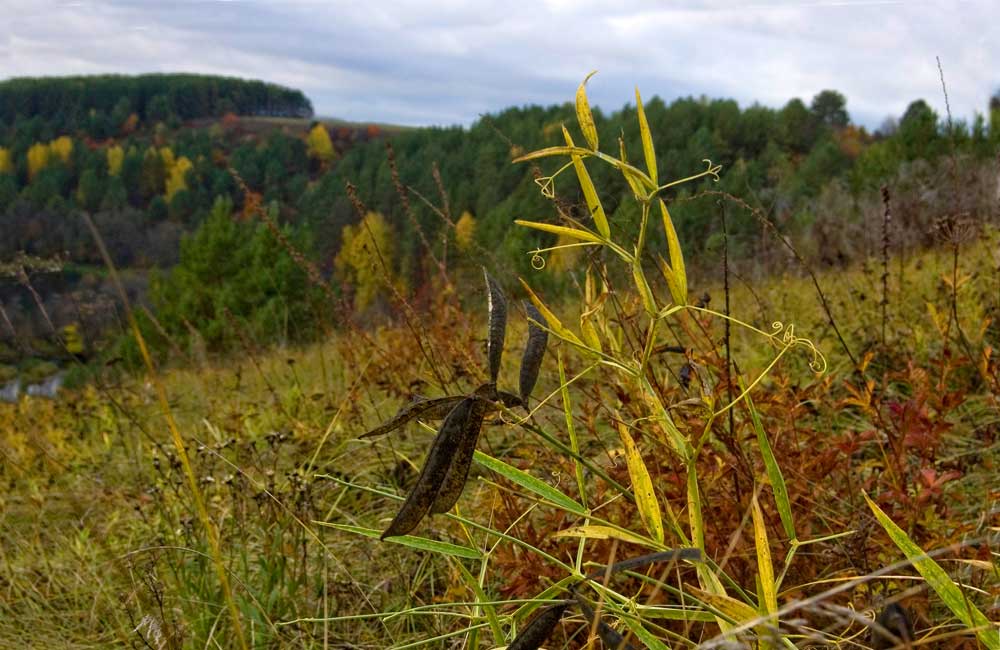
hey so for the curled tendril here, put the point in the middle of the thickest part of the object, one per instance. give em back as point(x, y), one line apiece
point(537, 261)
point(547, 185)
point(713, 170)
point(784, 336)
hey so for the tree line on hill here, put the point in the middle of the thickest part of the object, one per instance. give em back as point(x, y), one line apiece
point(151, 180)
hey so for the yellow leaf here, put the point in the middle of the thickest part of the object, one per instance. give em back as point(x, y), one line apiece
point(575, 233)
point(678, 287)
point(648, 301)
point(554, 323)
point(734, 609)
point(606, 532)
point(553, 151)
point(589, 191)
point(642, 485)
point(647, 139)
point(583, 114)
point(765, 569)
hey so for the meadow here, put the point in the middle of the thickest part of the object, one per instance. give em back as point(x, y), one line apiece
point(776, 465)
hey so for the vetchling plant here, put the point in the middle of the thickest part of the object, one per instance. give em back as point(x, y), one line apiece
point(700, 603)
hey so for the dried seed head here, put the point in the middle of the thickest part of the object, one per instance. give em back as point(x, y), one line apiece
point(430, 409)
point(892, 629)
point(458, 471)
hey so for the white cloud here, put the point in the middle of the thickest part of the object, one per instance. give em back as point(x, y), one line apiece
point(421, 62)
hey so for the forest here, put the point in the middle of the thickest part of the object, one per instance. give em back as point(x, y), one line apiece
point(159, 162)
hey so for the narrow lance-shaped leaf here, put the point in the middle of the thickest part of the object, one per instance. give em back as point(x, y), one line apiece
point(583, 114)
point(573, 233)
point(433, 474)
point(429, 409)
point(498, 325)
point(589, 191)
point(642, 486)
point(539, 629)
point(678, 287)
point(549, 320)
point(647, 139)
point(765, 568)
point(458, 471)
point(534, 352)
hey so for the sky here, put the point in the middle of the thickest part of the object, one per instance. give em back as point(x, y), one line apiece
point(443, 62)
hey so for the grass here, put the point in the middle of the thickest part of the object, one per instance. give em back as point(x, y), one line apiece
point(809, 503)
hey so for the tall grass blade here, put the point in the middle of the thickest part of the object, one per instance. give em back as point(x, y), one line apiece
point(987, 632)
point(412, 541)
point(530, 483)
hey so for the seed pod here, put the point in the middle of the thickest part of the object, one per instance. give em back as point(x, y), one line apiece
point(610, 636)
point(534, 351)
point(510, 400)
point(461, 462)
point(430, 409)
point(892, 629)
point(433, 474)
point(498, 325)
point(672, 555)
point(538, 630)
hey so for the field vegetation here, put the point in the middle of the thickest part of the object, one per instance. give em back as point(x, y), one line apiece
point(733, 441)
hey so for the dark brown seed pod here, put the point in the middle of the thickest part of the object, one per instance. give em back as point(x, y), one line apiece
point(433, 474)
point(430, 409)
point(461, 462)
point(610, 636)
point(534, 352)
point(510, 400)
point(539, 628)
point(892, 629)
point(672, 555)
point(498, 325)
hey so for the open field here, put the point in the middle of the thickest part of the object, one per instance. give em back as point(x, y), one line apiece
point(102, 545)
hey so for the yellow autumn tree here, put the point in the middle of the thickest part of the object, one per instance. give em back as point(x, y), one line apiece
point(177, 177)
point(115, 157)
point(167, 154)
point(61, 148)
point(465, 231)
point(38, 158)
point(319, 146)
point(6, 162)
point(359, 263)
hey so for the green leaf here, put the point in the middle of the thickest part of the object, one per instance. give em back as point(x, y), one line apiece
point(647, 139)
point(530, 483)
point(642, 486)
point(420, 543)
point(774, 475)
point(583, 114)
point(589, 191)
point(939, 581)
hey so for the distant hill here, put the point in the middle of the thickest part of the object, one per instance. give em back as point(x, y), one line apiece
point(92, 103)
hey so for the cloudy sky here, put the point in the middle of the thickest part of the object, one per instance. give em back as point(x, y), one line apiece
point(446, 61)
